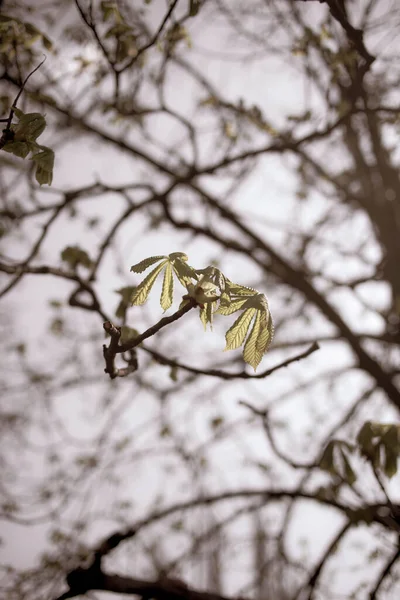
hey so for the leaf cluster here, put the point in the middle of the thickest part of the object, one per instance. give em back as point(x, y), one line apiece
point(214, 294)
point(378, 443)
point(23, 142)
point(16, 35)
point(119, 31)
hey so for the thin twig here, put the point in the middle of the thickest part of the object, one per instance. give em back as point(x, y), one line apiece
point(114, 348)
point(225, 374)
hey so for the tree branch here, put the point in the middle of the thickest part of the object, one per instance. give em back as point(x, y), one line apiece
point(114, 348)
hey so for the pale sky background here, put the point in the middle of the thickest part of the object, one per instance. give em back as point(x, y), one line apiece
point(267, 201)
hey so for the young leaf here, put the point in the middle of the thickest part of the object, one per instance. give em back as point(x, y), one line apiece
point(390, 466)
point(364, 440)
point(128, 333)
point(44, 165)
point(167, 292)
point(210, 309)
point(181, 255)
point(74, 256)
point(266, 332)
point(194, 7)
point(145, 264)
point(206, 313)
point(233, 306)
point(126, 293)
point(349, 474)
point(30, 125)
point(235, 289)
point(252, 356)
point(326, 463)
point(225, 299)
point(237, 333)
point(144, 288)
point(183, 271)
point(20, 149)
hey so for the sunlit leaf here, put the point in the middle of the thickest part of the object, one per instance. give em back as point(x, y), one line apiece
point(225, 299)
point(236, 334)
point(183, 271)
point(233, 306)
point(266, 332)
point(144, 288)
point(251, 355)
point(210, 309)
point(145, 264)
point(167, 292)
point(235, 289)
point(207, 314)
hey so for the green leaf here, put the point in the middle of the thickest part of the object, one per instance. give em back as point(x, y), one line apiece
point(183, 271)
point(257, 301)
point(181, 255)
point(210, 308)
point(349, 474)
point(74, 256)
point(173, 374)
point(194, 7)
point(391, 438)
point(237, 333)
point(117, 30)
point(145, 264)
point(126, 301)
point(109, 9)
point(326, 463)
point(167, 292)
point(127, 334)
point(207, 314)
point(390, 466)
point(47, 43)
point(225, 299)
point(44, 165)
point(252, 356)
point(228, 309)
point(30, 125)
point(266, 332)
point(20, 149)
point(364, 440)
point(144, 288)
point(235, 289)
